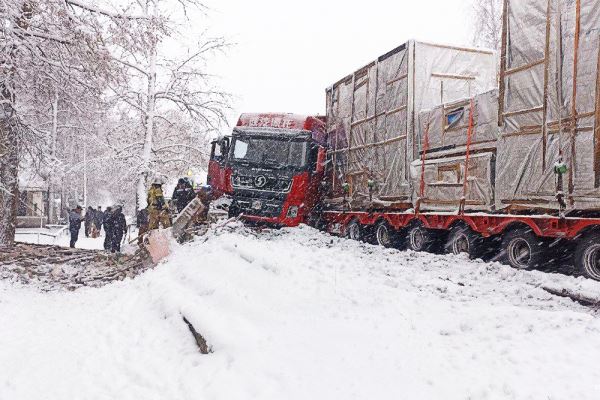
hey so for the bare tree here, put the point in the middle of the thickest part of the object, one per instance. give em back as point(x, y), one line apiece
point(168, 92)
point(47, 50)
point(487, 21)
point(92, 92)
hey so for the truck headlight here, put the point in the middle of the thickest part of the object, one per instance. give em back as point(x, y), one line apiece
point(292, 212)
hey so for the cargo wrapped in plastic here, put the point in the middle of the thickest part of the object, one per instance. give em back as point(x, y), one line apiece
point(372, 114)
point(441, 180)
point(549, 108)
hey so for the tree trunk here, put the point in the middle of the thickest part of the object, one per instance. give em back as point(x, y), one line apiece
point(148, 140)
point(52, 217)
point(9, 181)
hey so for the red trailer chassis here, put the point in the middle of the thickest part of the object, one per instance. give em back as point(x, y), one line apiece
point(527, 241)
point(485, 224)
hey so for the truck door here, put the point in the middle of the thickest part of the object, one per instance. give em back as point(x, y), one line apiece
point(218, 170)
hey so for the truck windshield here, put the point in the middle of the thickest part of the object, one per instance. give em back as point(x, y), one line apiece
point(272, 152)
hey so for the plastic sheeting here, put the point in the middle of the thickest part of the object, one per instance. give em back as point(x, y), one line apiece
point(372, 114)
point(448, 123)
point(549, 107)
point(445, 159)
point(444, 182)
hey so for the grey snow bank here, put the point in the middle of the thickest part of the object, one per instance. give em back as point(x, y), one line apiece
point(297, 314)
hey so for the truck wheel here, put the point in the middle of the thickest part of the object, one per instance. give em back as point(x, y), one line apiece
point(523, 249)
point(386, 235)
point(462, 239)
point(422, 239)
point(354, 231)
point(587, 256)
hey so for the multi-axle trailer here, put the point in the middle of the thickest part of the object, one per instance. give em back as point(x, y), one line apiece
point(426, 148)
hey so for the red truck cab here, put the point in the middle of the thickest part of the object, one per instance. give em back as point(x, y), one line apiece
point(273, 167)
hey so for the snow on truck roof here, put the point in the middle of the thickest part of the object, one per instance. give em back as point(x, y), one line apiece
point(281, 121)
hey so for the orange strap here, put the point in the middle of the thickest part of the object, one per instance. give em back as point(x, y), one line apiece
point(469, 139)
point(423, 159)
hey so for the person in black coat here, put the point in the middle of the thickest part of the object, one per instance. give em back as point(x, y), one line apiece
point(107, 222)
point(74, 225)
point(119, 229)
point(183, 194)
point(89, 219)
point(143, 224)
point(98, 217)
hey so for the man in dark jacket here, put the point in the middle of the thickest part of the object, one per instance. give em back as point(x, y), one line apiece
point(89, 219)
point(98, 216)
point(74, 224)
point(107, 222)
point(119, 229)
point(183, 194)
point(143, 223)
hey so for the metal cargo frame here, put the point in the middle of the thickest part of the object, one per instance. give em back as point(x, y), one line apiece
point(371, 116)
point(549, 108)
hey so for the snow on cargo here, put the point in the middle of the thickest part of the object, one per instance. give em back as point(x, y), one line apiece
point(333, 319)
point(371, 115)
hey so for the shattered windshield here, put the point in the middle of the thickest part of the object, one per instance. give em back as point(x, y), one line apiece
point(279, 153)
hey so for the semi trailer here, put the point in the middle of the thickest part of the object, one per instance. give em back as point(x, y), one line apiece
point(427, 150)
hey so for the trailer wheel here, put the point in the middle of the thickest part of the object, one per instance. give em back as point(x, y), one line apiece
point(462, 239)
point(354, 231)
point(587, 256)
point(422, 239)
point(386, 235)
point(523, 249)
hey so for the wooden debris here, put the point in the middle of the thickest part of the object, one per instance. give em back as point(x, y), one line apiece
point(54, 267)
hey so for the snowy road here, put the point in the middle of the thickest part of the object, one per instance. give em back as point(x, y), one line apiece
point(297, 314)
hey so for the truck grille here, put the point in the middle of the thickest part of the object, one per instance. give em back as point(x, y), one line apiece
point(258, 207)
point(261, 182)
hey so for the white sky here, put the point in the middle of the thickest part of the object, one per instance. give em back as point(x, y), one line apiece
point(288, 53)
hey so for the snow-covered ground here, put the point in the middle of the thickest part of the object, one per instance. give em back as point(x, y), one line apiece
point(61, 238)
point(297, 314)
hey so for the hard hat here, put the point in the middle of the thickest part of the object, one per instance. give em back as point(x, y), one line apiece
point(158, 180)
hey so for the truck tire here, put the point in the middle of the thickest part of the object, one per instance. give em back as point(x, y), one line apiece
point(387, 236)
point(354, 231)
point(524, 250)
point(587, 256)
point(462, 239)
point(422, 239)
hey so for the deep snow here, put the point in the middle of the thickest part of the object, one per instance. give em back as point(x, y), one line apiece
point(297, 314)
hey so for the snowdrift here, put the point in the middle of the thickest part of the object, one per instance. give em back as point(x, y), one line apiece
point(297, 314)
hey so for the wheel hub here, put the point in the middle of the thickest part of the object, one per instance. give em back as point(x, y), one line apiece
point(354, 232)
point(591, 261)
point(417, 239)
point(519, 253)
point(383, 236)
point(460, 244)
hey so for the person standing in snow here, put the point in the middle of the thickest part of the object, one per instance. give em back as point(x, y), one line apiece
point(183, 194)
point(74, 225)
point(158, 212)
point(88, 221)
point(98, 217)
point(107, 222)
point(119, 229)
point(142, 224)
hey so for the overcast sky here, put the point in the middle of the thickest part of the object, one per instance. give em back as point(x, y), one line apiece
point(286, 53)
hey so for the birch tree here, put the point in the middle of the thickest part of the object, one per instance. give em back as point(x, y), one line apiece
point(48, 49)
point(167, 90)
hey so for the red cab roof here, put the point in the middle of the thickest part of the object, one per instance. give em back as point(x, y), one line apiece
point(282, 120)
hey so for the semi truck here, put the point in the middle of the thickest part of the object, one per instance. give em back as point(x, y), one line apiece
point(271, 166)
point(424, 148)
